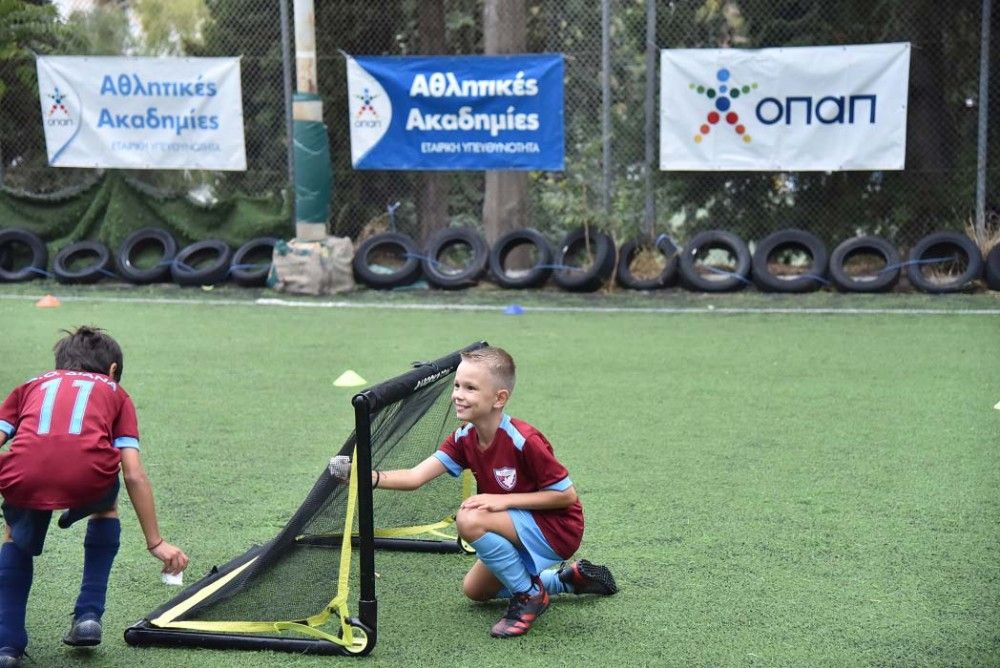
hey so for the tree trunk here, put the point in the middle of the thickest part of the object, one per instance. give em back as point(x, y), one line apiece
point(505, 200)
point(432, 187)
point(930, 131)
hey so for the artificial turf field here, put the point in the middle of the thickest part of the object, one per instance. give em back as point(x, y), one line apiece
point(770, 489)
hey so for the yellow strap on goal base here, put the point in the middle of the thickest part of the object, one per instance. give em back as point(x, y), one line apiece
point(306, 626)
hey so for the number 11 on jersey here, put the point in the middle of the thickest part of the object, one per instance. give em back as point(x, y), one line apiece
point(51, 387)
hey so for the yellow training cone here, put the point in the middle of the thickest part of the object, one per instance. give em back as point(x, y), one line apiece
point(48, 301)
point(349, 379)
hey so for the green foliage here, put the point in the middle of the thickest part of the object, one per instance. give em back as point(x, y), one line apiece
point(168, 26)
point(103, 29)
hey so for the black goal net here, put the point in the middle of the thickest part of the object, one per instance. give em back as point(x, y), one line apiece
point(296, 591)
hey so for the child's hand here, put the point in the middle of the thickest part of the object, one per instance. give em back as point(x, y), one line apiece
point(340, 467)
point(493, 503)
point(173, 558)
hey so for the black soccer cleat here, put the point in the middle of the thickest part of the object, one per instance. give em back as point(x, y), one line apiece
point(85, 631)
point(11, 658)
point(587, 578)
point(522, 612)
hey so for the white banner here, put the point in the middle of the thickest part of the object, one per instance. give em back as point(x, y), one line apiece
point(826, 108)
point(142, 113)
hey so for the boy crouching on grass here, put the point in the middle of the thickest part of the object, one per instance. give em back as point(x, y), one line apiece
point(73, 429)
point(526, 516)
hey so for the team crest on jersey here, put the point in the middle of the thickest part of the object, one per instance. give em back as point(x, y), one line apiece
point(507, 477)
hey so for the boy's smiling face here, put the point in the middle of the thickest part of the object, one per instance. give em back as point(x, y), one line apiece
point(476, 393)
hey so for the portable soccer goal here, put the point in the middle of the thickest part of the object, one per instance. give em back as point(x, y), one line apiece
point(292, 593)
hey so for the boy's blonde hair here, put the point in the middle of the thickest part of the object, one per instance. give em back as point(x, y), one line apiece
point(498, 361)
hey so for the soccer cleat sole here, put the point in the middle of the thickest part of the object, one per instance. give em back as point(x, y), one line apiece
point(599, 579)
point(85, 634)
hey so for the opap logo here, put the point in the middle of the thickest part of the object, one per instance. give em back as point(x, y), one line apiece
point(58, 105)
point(366, 98)
point(722, 99)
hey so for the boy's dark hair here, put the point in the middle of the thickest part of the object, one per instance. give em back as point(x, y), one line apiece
point(88, 349)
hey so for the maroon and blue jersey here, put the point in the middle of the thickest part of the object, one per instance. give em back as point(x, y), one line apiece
point(519, 459)
point(67, 428)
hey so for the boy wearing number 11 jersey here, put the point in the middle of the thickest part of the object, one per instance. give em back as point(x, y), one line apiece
point(72, 430)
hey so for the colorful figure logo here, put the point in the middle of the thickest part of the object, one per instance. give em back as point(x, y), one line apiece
point(366, 103)
point(57, 102)
point(723, 101)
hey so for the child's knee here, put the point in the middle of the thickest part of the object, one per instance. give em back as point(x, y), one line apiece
point(469, 524)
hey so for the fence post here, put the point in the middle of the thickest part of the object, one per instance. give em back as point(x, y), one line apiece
point(649, 211)
point(984, 116)
point(286, 72)
point(606, 109)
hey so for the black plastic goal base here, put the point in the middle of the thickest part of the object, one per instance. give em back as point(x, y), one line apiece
point(144, 634)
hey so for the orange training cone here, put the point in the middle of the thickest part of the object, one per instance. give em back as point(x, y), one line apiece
point(48, 301)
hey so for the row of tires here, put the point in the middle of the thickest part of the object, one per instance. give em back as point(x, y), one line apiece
point(149, 255)
point(584, 261)
point(938, 263)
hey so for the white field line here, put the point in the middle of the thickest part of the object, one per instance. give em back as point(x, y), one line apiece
point(710, 309)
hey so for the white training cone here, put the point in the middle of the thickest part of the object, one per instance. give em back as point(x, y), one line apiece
point(172, 579)
point(349, 379)
point(997, 406)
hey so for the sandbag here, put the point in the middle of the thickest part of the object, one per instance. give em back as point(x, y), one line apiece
point(312, 267)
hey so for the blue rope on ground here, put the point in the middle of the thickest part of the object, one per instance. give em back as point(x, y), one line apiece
point(558, 267)
point(422, 258)
point(900, 265)
point(179, 265)
point(41, 272)
point(109, 274)
point(816, 277)
point(723, 272)
point(243, 267)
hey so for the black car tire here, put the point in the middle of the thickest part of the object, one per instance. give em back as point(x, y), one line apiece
point(799, 240)
point(883, 281)
point(534, 276)
point(631, 248)
point(204, 262)
point(445, 239)
point(37, 248)
point(138, 241)
point(97, 266)
point(597, 273)
point(251, 274)
point(932, 247)
point(406, 273)
point(992, 273)
point(735, 280)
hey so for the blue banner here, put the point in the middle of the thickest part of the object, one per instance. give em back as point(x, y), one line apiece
point(456, 112)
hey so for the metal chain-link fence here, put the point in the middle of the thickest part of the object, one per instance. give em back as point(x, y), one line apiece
point(936, 190)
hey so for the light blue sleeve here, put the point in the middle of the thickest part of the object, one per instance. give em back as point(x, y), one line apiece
point(453, 468)
point(126, 442)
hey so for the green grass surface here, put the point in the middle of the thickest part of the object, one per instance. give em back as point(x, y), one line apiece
point(770, 490)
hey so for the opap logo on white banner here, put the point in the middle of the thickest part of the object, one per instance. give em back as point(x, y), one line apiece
point(809, 108)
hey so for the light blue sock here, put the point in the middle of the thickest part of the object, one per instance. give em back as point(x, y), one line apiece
point(501, 557)
point(16, 567)
point(551, 582)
